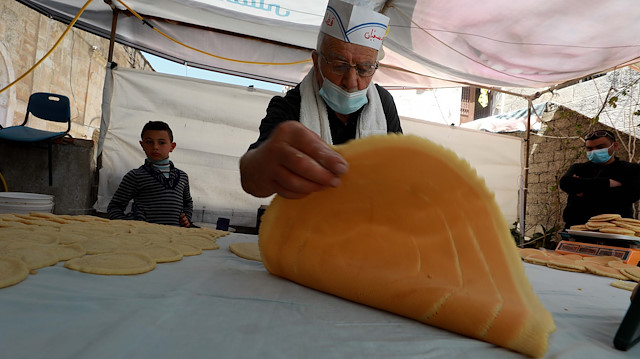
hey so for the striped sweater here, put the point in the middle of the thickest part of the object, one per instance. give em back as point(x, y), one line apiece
point(156, 199)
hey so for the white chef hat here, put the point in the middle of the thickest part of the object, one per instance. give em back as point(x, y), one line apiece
point(354, 24)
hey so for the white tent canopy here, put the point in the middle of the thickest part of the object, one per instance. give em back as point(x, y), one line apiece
point(431, 43)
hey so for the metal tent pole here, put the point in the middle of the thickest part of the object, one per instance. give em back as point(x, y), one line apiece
point(525, 184)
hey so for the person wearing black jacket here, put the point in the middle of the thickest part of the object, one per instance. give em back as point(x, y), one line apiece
point(604, 184)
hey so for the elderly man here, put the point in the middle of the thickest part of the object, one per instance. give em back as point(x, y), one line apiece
point(604, 184)
point(335, 102)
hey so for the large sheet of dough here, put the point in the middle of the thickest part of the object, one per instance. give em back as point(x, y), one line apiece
point(412, 230)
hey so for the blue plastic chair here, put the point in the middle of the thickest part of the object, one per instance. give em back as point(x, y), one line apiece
point(45, 106)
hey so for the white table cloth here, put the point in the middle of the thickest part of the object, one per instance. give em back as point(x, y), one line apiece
point(217, 305)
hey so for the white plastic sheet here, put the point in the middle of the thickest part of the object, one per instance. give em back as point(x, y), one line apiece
point(213, 125)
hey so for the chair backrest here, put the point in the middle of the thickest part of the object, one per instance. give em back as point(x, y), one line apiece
point(49, 106)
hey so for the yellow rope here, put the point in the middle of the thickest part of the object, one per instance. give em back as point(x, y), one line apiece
point(4, 183)
point(207, 53)
point(53, 48)
point(158, 31)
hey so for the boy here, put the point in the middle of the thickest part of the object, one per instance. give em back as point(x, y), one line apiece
point(160, 192)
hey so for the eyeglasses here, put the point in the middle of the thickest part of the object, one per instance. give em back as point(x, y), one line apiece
point(341, 67)
point(598, 134)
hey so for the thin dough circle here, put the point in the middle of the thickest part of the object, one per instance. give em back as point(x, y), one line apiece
point(12, 271)
point(119, 263)
point(246, 250)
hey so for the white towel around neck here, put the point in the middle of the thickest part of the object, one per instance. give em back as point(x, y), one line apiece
point(314, 116)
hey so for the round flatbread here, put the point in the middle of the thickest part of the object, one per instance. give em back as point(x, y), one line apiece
point(624, 284)
point(35, 257)
point(603, 260)
point(598, 225)
point(28, 236)
point(604, 271)
point(631, 273)
point(246, 250)
point(12, 271)
point(71, 238)
point(579, 227)
point(524, 252)
point(629, 220)
point(100, 245)
point(119, 263)
point(617, 230)
point(42, 215)
point(573, 256)
point(619, 264)
point(605, 217)
point(566, 264)
point(626, 225)
point(68, 251)
point(540, 259)
point(187, 249)
point(196, 241)
point(161, 253)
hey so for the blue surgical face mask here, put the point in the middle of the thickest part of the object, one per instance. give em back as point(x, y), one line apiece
point(339, 100)
point(599, 156)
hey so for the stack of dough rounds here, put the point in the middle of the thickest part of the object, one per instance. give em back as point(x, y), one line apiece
point(413, 230)
point(612, 224)
point(93, 245)
point(606, 266)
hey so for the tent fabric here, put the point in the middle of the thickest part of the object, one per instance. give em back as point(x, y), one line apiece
point(214, 124)
point(515, 121)
point(431, 43)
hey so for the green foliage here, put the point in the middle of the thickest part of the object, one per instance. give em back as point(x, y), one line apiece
point(547, 239)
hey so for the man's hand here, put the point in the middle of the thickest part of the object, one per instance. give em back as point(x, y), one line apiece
point(184, 221)
point(614, 183)
point(293, 163)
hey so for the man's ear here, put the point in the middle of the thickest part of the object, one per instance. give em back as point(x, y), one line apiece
point(615, 146)
point(173, 146)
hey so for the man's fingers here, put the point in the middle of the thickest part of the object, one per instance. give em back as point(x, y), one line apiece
point(293, 162)
point(304, 167)
point(313, 146)
point(291, 184)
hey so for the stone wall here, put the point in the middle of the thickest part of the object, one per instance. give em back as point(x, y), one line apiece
point(25, 169)
point(76, 68)
point(552, 151)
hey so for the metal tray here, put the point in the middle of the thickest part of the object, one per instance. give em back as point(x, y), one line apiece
point(603, 235)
